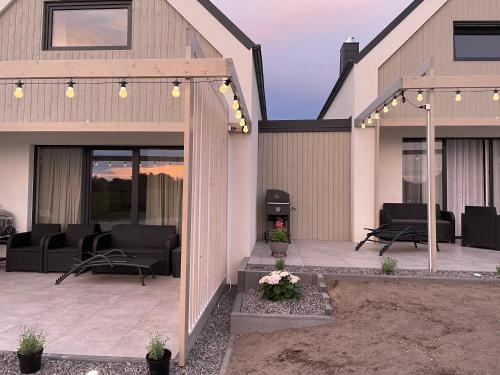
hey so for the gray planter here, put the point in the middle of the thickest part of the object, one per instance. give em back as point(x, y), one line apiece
point(278, 249)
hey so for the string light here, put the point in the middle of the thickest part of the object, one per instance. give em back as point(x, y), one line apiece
point(243, 122)
point(496, 96)
point(110, 164)
point(395, 101)
point(70, 91)
point(123, 90)
point(176, 91)
point(363, 125)
point(238, 114)
point(420, 96)
point(458, 96)
point(377, 115)
point(18, 92)
point(225, 86)
point(369, 120)
point(386, 109)
point(236, 103)
point(245, 129)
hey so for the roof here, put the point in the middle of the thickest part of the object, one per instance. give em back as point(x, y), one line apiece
point(249, 44)
point(365, 51)
point(298, 126)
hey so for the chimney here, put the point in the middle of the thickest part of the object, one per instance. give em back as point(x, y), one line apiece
point(348, 53)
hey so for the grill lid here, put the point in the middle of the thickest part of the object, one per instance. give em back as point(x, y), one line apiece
point(277, 196)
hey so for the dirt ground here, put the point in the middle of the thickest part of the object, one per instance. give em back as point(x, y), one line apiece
point(393, 327)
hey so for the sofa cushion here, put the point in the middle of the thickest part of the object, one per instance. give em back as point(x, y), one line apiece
point(64, 249)
point(76, 232)
point(143, 251)
point(410, 210)
point(141, 236)
point(40, 230)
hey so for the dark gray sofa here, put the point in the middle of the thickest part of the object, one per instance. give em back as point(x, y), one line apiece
point(481, 227)
point(25, 250)
point(402, 215)
point(61, 249)
point(144, 241)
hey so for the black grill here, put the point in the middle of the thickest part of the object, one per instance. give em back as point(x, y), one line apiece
point(278, 207)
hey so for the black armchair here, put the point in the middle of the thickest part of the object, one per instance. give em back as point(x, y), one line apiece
point(61, 249)
point(481, 228)
point(25, 250)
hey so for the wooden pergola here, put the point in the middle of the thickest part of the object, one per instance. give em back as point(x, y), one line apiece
point(205, 128)
point(429, 83)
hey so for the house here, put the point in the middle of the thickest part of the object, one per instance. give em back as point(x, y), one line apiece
point(110, 112)
point(444, 53)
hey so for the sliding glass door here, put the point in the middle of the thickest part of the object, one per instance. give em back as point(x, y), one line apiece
point(495, 167)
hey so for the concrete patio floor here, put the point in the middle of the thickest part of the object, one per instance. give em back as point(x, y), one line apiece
point(452, 257)
point(100, 315)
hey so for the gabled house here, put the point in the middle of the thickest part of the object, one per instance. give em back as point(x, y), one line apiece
point(444, 53)
point(110, 112)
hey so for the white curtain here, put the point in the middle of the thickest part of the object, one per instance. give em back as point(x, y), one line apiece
point(466, 180)
point(496, 174)
point(59, 185)
point(163, 200)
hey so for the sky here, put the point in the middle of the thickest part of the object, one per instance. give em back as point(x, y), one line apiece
point(301, 41)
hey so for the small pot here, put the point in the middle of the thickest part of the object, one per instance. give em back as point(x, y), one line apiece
point(278, 249)
point(162, 366)
point(29, 364)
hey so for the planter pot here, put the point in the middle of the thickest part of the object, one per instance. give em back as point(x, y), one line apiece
point(29, 364)
point(161, 367)
point(278, 249)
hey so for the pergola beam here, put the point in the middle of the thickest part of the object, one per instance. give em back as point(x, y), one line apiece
point(92, 127)
point(451, 82)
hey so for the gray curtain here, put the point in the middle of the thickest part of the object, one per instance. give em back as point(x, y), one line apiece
point(59, 185)
point(496, 174)
point(465, 162)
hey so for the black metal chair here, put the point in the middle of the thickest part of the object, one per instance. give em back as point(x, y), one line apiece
point(25, 250)
point(481, 228)
point(61, 249)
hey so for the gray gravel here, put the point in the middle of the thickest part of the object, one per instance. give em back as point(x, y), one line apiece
point(310, 303)
point(376, 272)
point(204, 359)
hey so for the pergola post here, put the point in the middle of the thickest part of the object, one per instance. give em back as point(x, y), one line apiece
point(377, 175)
point(431, 185)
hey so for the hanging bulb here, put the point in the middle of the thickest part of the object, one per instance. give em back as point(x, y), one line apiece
point(420, 96)
point(124, 163)
point(236, 103)
point(238, 114)
point(225, 86)
point(245, 129)
point(458, 97)
point(377, 115)
point(18, 93)
point(70, 91)
point(123, 90)
point(243, 122)
point(363, 125)
point(395, 101)
point(176, 91)
point(496, 96)
point(110, 164)
point(386, 109)
point(369, 120)
point(96, 164)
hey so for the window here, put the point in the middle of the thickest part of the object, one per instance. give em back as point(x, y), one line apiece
point(87, 25)
point(476, 41)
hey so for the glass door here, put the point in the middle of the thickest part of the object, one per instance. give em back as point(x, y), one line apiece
point(496, 175)
point(111, 187)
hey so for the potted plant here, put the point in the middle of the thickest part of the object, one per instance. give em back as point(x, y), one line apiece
point(279, 285)
point(158, 356)
point(30, 350)
point(278, 238)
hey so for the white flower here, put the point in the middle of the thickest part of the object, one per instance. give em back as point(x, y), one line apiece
point(294, 279)
point(264, 280)
point(284, 274)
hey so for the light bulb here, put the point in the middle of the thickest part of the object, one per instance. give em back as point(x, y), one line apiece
point(225, 86)
point(376, 116)
point(238, 114)
point(70, 91)
point(18, 93)
point(110, 164)
point(245, 129)
point(236, 103)
point(394, 102)
point(386, 109)
point(123, 90)
point(363, 125)
point(369, 120)
point(176, 91)
point(420, 96)
point(458, 97)
point(243, 122)
point(496, 96)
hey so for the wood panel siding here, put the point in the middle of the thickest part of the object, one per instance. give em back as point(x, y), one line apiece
point(158, 32)
point(435, 40)
point(315, 168)
point(209, 174)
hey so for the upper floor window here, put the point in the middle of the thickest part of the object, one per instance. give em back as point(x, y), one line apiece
point(87, 24)
point(477, 41)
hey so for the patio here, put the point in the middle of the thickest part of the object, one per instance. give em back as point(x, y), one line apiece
point(452, 257)
point(100, 315)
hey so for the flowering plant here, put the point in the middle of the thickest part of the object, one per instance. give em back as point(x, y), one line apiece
point(279, 285)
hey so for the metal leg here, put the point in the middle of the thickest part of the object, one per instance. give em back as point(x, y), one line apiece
point(141, 276)
point(153, 276)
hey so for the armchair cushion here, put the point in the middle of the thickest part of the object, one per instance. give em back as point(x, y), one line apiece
point(39, 231)
point(480, 227)
point(76, 232)
point(141, 235)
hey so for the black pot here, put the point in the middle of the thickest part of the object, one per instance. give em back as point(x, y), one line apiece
point(29, 364)
point(161, 367)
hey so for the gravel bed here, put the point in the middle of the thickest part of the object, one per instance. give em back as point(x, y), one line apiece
point(309, 303)
point(352, 271)
point(204, 359)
